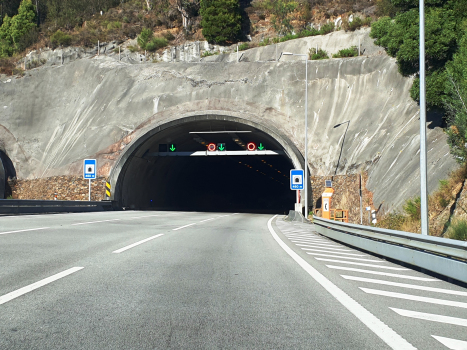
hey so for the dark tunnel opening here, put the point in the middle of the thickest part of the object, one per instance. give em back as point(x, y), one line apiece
point(173, 170)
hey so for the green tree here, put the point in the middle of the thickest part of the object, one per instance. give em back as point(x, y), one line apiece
point(6, 41)
point(221, 20)
point(23, 23)
point(444, 25)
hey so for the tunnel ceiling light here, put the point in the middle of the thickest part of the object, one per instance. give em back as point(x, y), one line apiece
point(217, 132)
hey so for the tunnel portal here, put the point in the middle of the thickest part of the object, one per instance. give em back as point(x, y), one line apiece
point(173, 170)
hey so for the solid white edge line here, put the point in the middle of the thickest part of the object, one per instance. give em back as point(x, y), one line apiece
point(10, 296)
point(431, 317)
point(452, 344)
point(135, 244)
point(382, 273)
point(415, 298)
point(179, 228)
point(389, 336)
point(94, 222)
point(404, 285)
point(30, 229)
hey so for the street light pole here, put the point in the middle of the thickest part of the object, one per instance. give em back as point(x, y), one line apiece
point(306, 125)
point(423, 155)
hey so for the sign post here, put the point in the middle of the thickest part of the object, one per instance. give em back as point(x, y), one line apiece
point(90, 167)
point(296, 183)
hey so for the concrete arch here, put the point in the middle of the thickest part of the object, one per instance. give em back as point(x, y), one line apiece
point(263, 120)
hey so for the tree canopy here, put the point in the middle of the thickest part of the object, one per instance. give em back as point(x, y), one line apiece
point(221, 20)
point(15, 29)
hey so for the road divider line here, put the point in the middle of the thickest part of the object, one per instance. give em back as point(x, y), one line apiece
point(207, 220)
point(10, 296)
point(94, 222)
point(179, 228)
point(346, 257)
point(415, 298)
point(143, 217)
point(388, 335)
point(382, 273)
point(452, 344)
point(137, 243)
point(431, 317)
point(324, 250)
point(29, 229)
point(362, 264)
point(404, 285)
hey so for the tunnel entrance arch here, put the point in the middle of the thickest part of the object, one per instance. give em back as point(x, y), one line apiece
point(148, 176)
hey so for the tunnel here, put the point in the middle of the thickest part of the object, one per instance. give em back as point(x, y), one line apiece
point(208, 165)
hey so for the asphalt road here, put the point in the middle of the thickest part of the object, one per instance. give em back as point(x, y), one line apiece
point(172, 280)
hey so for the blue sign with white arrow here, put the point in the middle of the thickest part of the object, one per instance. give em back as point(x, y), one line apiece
point(90, 169)
point(296, 179)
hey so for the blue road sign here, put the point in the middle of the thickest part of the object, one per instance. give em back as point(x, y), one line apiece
point(296, 179)
point(90, 168)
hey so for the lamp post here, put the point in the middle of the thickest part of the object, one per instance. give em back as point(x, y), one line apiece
point(423, 167)
point(306, 124)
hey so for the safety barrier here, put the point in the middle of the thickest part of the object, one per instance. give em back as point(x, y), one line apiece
point(27, 206)
point(444, 256)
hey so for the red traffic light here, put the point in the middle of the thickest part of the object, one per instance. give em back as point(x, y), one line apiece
point(251, 146)
point(212, 147)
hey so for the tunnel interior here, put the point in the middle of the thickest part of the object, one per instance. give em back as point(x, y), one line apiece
point(174, 170)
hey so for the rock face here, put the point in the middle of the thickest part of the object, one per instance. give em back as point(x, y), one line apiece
point(58, 115)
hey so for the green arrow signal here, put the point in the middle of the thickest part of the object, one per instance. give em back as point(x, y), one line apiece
point(172, 148)
point(260, 147)
point(221, 147)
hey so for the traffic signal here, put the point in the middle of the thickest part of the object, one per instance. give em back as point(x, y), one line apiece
point(221, 146)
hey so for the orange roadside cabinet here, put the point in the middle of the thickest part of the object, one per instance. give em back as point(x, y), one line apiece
point(326, 202)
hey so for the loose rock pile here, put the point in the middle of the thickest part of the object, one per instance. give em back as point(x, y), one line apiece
point(65, 187)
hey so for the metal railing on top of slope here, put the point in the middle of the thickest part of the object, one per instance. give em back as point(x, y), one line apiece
point(32, 206)
point(444, 256)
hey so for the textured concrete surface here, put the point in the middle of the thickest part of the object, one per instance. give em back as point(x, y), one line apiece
point(55, 116)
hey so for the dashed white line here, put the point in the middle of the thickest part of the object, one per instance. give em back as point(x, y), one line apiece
point(7, 297)
point(452, 344)
point(431, 317)
point(389, 336)
point(404, 285)
point(345, 257)
point(137, 243)
point(382, 273)
point(30, 229)
point(362, 264)
point(415, 298)
point(208, 220)
point(179, 228)
point(94, 222)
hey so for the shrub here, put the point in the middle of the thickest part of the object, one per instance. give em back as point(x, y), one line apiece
point(221, 20)
point(145, 37)
point(264, 42)
point(392, 221)
point(60, 39)
point(412, 208)
point(156, 44)
point(114, 25)
point(243, 46)
point(276, 40)
point(169, 36)
point(320, 55)
point(351, 52)
point(327, 28)
point(457, 230)
point(209, 53)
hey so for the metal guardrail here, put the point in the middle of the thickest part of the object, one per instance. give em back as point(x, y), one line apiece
point(444, 256)
point(30, 206)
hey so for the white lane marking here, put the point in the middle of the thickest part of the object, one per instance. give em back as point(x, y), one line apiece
point(310, 244)
point(143, 217)
point(325, 250)
point(452, 344)
point(382, 273)
point(404, 285)
point(415, 298)
point(137, 243)
point(304, 236)
point(179, 228)
point(30, 229)
point(345, 257)
point(94, 222)
point(431, 317)
point(7, 297)
point(310, 240)
point(394, 340)
point(323, 247)
point(362, 264)
point(208, 220)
